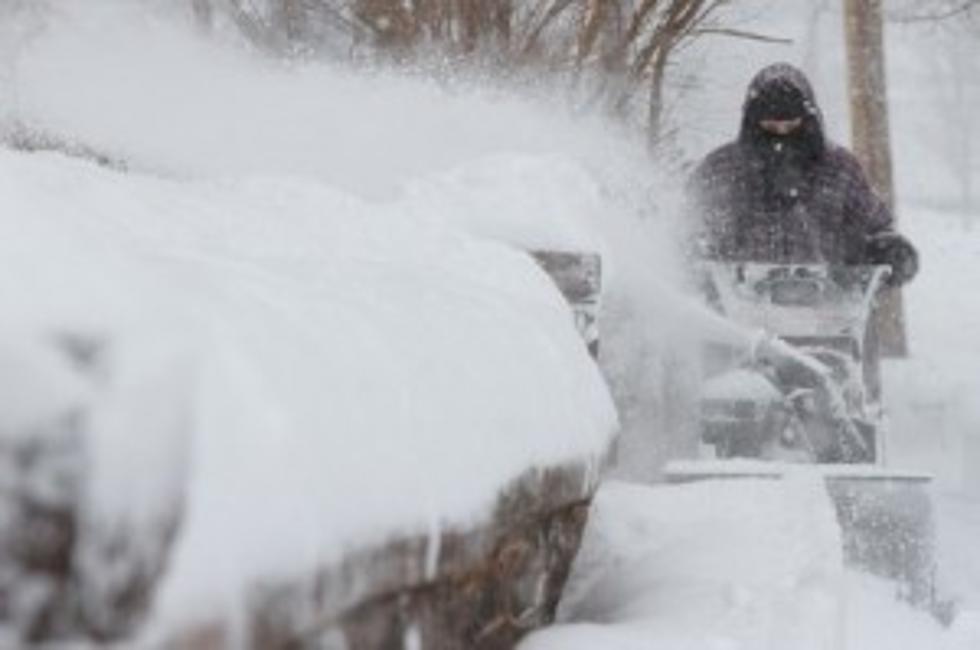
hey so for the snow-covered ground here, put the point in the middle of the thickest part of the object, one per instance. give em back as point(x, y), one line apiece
point(331, 258)
point(743, 565)
point(753, 565)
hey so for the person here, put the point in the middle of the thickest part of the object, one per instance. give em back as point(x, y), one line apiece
point(783, 193)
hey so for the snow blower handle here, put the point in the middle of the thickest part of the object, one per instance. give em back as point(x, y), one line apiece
point(769, 349)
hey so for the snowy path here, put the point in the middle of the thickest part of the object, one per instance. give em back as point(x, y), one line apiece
point(726, 566)
point(747, 564)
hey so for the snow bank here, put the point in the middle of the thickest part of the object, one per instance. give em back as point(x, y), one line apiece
point(360, 372)
point(723, 564)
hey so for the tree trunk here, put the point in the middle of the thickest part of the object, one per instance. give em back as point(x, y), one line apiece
point(864, 35)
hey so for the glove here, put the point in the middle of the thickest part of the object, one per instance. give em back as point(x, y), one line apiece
point(892, 249)
point(807, 371)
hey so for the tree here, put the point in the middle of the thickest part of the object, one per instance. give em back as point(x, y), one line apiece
point(867, 89)
point(618, 51)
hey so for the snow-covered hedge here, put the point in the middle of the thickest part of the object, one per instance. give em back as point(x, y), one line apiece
point(355, 373)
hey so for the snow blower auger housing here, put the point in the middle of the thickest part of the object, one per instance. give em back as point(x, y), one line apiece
point(816, 402)
point(810, 393)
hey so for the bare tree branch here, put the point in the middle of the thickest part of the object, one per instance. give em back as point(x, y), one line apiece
point(737, 33)
point(616, 51)
point(952, 10)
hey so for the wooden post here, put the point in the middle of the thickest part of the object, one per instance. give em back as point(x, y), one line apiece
point(864, 36)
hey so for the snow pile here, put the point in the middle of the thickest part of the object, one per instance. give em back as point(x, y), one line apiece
point(360, 372)
point(726, 564)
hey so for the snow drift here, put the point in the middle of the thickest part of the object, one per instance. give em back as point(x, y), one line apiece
point(359, 373)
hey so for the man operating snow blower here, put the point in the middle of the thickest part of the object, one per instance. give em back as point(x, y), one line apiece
point(790, 215)
point(793, 243)
point(783, 193)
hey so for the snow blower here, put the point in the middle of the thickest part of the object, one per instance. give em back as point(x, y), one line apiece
point(810, 393)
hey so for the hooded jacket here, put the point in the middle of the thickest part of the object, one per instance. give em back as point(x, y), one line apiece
point(798, 198)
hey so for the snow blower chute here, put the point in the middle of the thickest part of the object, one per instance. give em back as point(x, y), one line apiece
point(810, 393)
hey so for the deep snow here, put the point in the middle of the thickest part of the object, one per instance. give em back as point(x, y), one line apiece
point(341, 350)
point(730, 565)
point(749, 564)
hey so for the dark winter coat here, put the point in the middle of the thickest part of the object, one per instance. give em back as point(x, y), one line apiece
point(797, 198)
